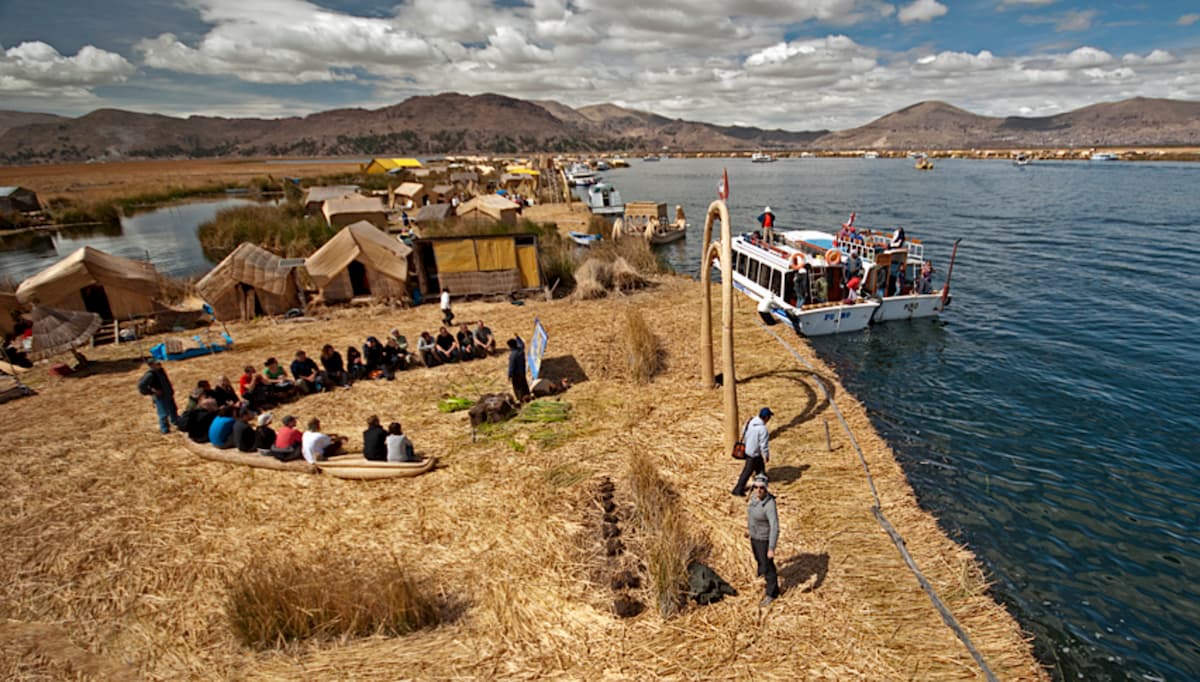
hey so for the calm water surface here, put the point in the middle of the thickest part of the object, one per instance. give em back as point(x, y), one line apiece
point(166, 236)
point(1050, 419)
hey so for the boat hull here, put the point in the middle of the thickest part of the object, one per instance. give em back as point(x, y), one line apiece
point(909, 307)
point(249, 459)
point(667, 237)
point(830, 318)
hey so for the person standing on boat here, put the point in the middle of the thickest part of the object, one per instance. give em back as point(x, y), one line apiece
point(898, 239)
point(157, 384)
point(762, 527)
point(767, 220)
point(854, 265)
point(925, 280)
point(758, 451)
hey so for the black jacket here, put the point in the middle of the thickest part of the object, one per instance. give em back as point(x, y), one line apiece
point(375, 444)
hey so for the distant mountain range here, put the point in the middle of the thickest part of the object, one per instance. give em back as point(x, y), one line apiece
point(455, 123)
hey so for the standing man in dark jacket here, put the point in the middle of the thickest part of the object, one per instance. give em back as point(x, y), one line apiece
point(516, 368)
point(156, 384)
point(758, 451)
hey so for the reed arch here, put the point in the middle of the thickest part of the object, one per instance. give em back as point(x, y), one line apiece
point(718, 209)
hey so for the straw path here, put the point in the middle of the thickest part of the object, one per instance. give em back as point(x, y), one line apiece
point(126, 541)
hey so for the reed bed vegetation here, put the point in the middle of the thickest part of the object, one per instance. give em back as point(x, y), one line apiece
point(283, 230)
point(133, 547)
point(644, 352)
point(330, 593)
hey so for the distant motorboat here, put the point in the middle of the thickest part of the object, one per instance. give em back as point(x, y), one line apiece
point(650, 157)
point(602, 165)
point(923, 163)
point(870, 155)
point(581, 175)
point(761, 157)
point(1104, 156)
point(1022, 160)
point(583, 238)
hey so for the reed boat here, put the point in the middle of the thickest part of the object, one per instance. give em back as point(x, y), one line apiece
point(583, 238)
point(358, 468)
point(250, 459)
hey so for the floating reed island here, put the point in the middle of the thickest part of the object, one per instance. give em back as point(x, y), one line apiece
point(534, 550)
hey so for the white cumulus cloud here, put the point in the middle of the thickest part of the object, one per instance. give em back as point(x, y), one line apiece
point(921, 10)
point(37, 69)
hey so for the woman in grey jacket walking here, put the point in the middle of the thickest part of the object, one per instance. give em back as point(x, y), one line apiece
point(762, 520)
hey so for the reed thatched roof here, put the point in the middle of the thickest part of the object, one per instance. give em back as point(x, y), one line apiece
point(58, 331)
point(433, 212)
point(363, 242)
point(129, 284)
point(248, 264)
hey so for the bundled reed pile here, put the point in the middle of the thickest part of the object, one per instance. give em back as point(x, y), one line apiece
point(136, 549)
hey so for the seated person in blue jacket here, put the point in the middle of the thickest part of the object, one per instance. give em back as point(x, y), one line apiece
point(220, 431)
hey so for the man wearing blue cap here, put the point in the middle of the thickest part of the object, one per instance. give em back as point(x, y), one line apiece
point(758, 452)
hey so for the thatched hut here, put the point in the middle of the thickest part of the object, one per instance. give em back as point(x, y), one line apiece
point(348, 210)
point(360, 261)
point(442, 194)
point(488, 209)
point(380, 165)
point(433, 213)
point(315, 197)
point(110, 286)
point(18, 200)
point(410, 195)
point(483, 264)
point(250, 282)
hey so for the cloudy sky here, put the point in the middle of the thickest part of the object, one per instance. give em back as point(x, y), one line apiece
point(793, 64)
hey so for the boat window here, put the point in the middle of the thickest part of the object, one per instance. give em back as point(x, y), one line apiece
point(741, 263)
point(752, 271)
point(764, 277)
point(776, 282)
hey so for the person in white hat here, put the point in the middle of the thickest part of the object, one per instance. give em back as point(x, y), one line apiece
point(762, 527)
point(767, 218)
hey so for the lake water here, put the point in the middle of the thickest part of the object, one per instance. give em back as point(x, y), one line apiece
point(1049, 419)
point(166, 236)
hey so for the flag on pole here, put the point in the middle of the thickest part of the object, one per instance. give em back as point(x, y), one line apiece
point(723, 186)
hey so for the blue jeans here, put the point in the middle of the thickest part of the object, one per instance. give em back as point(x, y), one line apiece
point(167, 412)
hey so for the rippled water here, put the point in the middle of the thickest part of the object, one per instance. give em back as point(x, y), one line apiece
point(1050, 418)
point(166, 236)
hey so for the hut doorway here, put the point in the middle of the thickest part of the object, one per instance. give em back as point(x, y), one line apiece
point(358, 279)
point(95, 300)
point(251, 305)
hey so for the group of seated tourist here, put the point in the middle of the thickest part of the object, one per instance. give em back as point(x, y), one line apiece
point(446, 347)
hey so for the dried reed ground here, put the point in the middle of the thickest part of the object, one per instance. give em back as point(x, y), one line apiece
point(125, 540)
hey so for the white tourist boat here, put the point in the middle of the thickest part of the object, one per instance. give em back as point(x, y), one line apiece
point(761, 157)
point(774, 275)
point(1104, 156)
point(581, 175)
point(870, 155)
point(604, 199)
point(799, 277)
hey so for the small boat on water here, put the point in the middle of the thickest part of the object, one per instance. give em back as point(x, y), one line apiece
point(799, 276)
point(604, 199)
point(581, 175)
point(1104, 156)
point(1021, 160)
point(618, 162)
point(923, 163)
point(649, 219)
point(583, 238)
point(174, 349)
point(358, 468)
point(602, 165)
point(650, 157)
point(870, 155)
point(761, 157)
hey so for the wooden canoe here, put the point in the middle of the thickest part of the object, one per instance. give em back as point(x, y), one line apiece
point(355, 467)
point(250, 459)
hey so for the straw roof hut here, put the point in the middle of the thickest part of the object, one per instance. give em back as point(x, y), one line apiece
point(411, 194)
point(464, 179)
point(380, 166)
point(483, 264)
point(433, 213)
point(347, 210)
point(250, 282)
point(315, 197)
point(10, 308)
point(488, 208)
point(360, 261)
point(442, 194)
point(89, 279)
point(17, 200)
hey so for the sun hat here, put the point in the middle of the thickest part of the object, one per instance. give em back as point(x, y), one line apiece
point(264, 419)
point(765, 412)
point(760, 479)
point(767, 210)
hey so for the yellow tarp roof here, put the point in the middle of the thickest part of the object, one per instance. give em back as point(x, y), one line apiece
point(520, 170)
point(385, 165)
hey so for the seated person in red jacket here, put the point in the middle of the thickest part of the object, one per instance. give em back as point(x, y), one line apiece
point(287, 441)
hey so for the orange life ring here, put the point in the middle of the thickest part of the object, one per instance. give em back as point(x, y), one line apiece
point(797, 261)
point(833, 256)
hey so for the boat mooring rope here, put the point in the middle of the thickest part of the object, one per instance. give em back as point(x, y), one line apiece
point(947, 617)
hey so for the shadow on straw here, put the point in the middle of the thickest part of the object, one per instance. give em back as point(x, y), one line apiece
point(798, 568)
point(813, 403)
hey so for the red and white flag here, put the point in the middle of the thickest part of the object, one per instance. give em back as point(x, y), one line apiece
point(723, 186)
